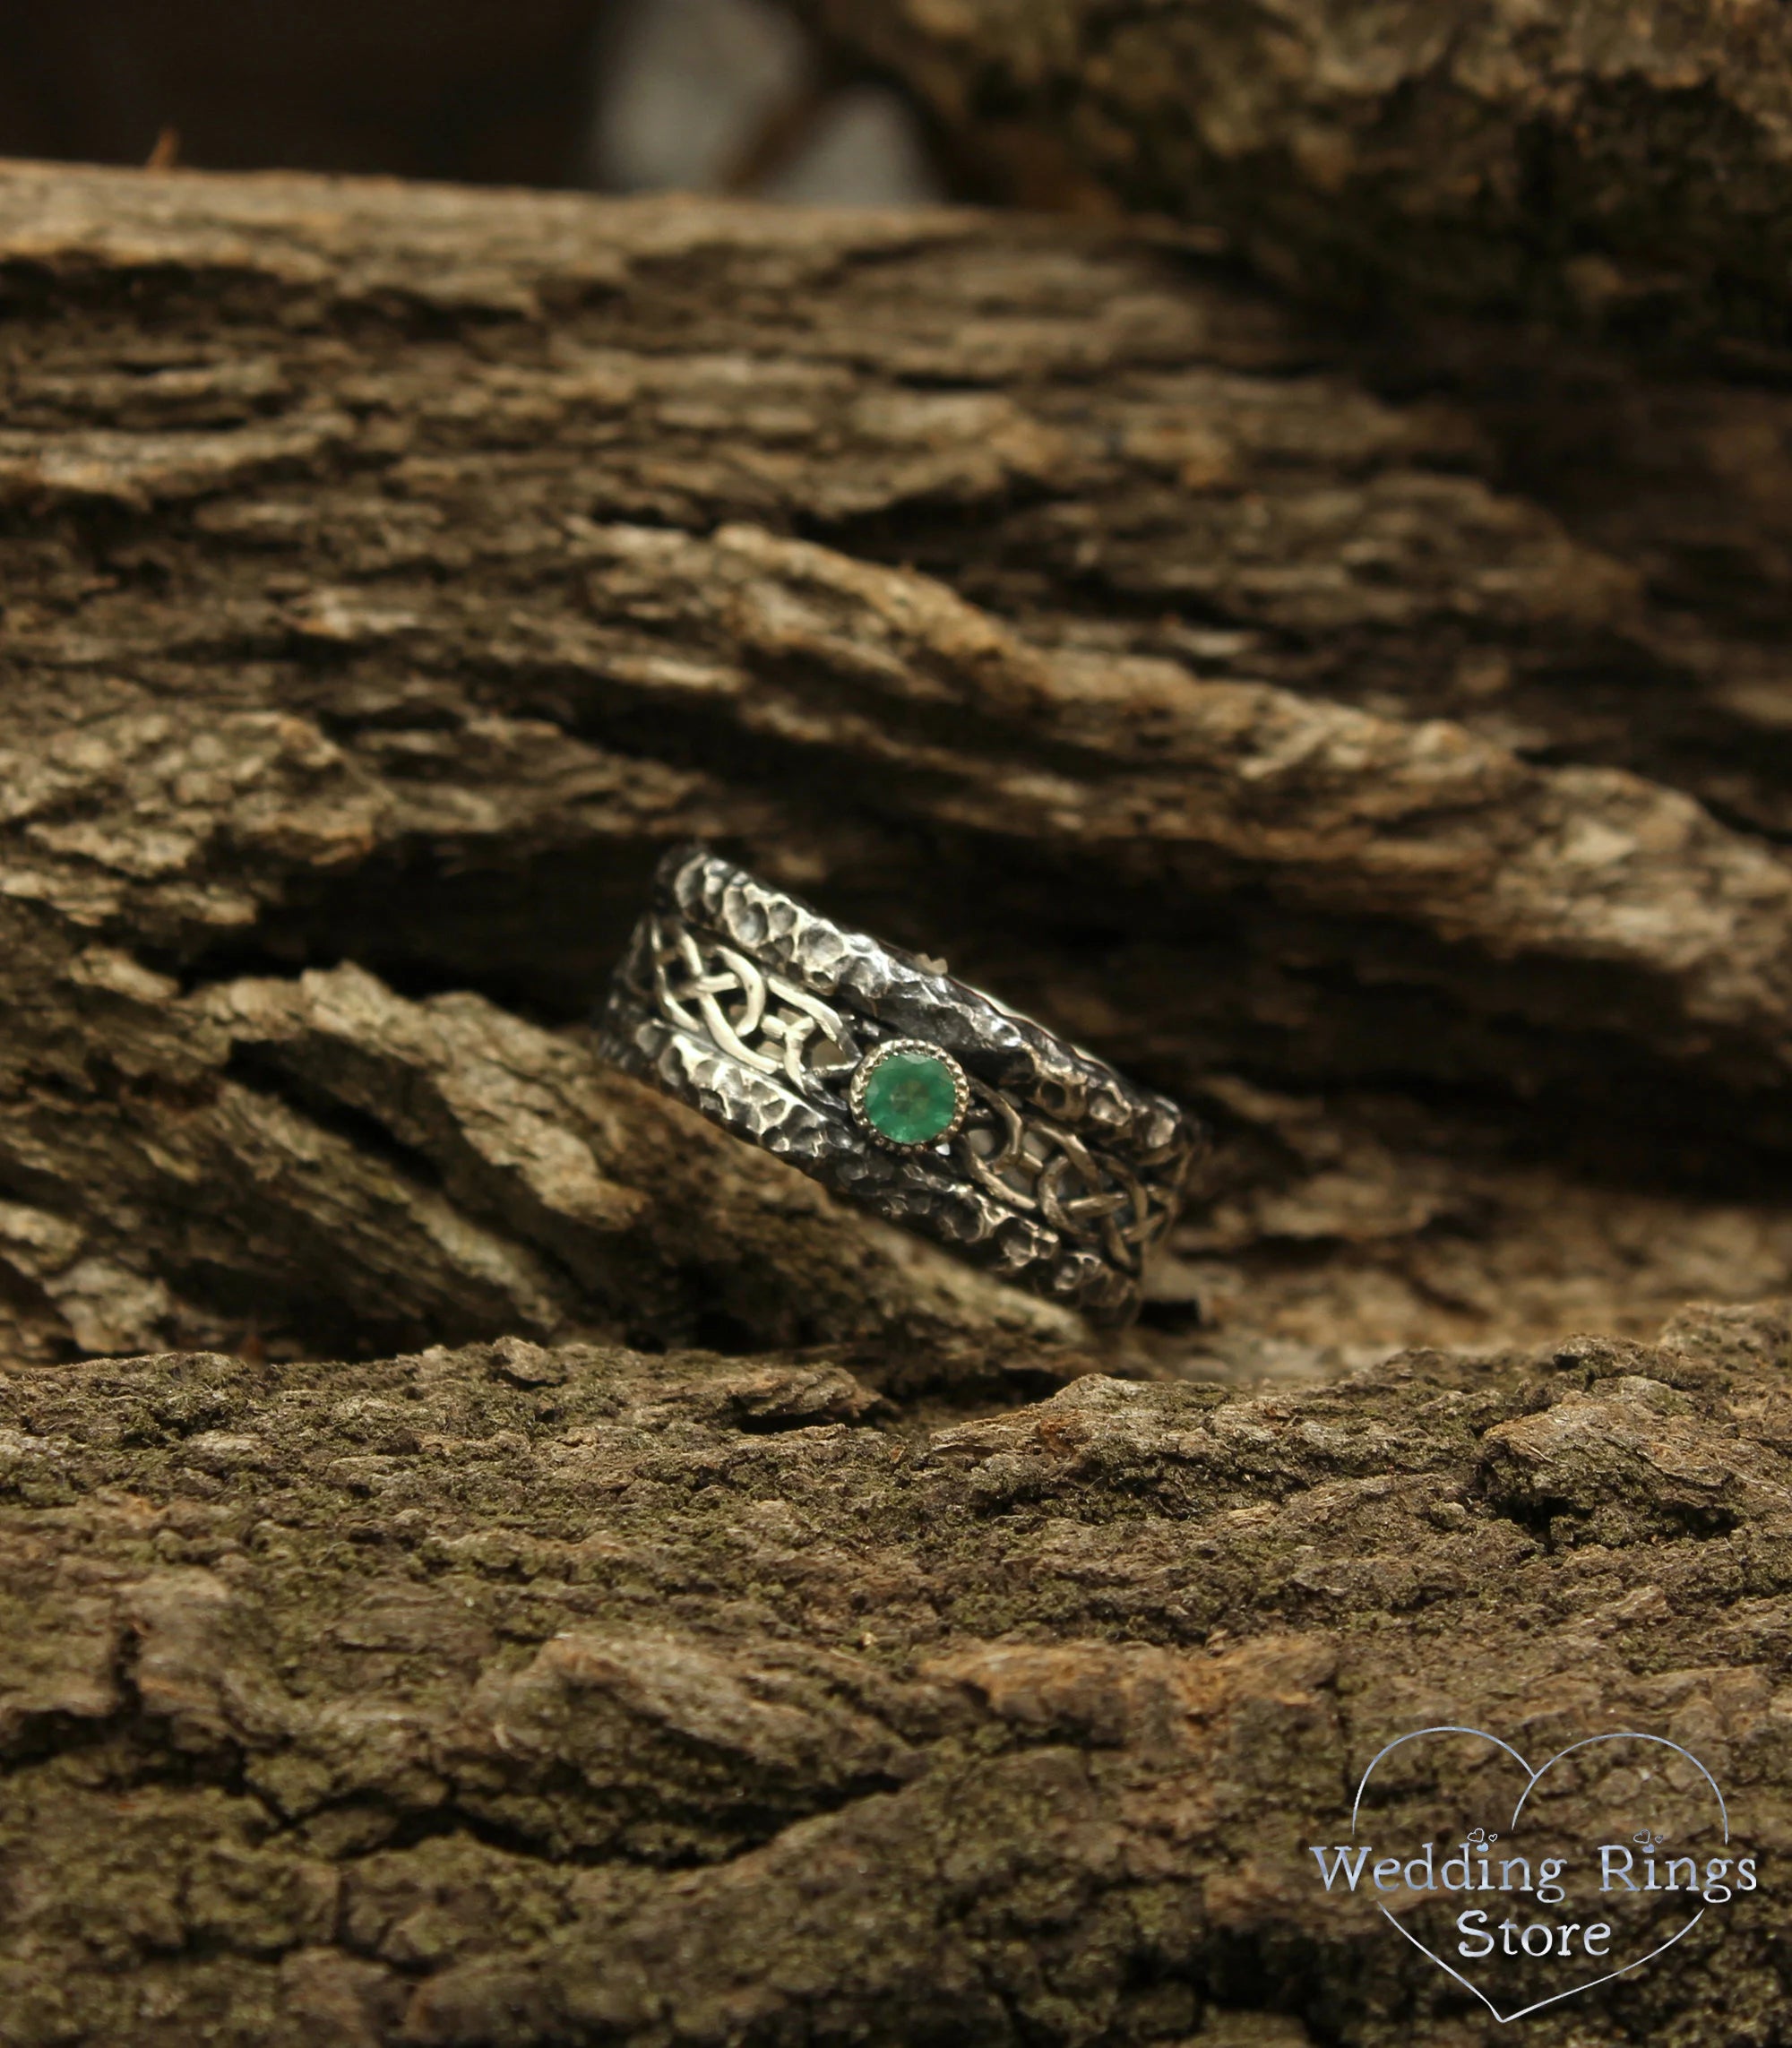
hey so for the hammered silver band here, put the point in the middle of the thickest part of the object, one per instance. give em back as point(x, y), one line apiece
point(745, 1004)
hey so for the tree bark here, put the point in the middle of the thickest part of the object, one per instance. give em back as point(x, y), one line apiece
point(390, 575)
point(1612, 167)
point(519, 1695)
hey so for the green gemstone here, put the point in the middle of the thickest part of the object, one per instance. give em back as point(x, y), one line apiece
point(911, 1098)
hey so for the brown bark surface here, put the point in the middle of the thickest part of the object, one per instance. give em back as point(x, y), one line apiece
point(391, 574)
point(513, 1695)
point(388, 575)
point(1618, 166)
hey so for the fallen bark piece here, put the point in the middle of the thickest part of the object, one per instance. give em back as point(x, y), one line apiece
point(545, 1694)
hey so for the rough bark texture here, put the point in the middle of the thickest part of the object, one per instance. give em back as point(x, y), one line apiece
point(508, 1695)
point(388, 576)
point(1610, 165)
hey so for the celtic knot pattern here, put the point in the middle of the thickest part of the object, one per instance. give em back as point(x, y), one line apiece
point(1026, 1160)
point(1040, 1168)
point(754, 1009)
point(789, 1019)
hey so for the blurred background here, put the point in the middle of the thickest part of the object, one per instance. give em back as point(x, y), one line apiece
point(608, 94)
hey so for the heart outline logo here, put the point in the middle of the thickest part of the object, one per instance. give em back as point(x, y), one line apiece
point(1531, 1778)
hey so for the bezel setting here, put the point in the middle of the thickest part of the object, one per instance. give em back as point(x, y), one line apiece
point(916, 1049)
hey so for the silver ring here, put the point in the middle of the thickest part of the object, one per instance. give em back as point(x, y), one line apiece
point(918, 1098)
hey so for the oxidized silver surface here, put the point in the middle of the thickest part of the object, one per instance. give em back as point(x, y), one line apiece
point(752, 1007)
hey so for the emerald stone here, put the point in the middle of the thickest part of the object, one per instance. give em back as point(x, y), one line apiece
point(911, 1098)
